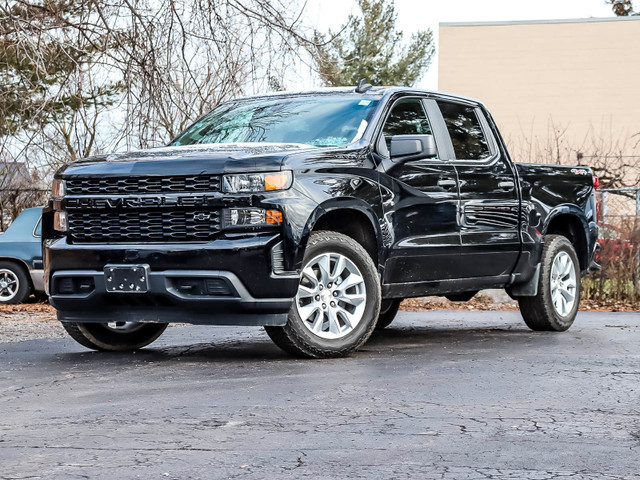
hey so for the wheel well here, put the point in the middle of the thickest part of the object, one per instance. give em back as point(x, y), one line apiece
point(570, 227)
point(23, 266)
point(354, 224)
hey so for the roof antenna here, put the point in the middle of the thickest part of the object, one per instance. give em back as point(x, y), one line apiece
point(363, 86)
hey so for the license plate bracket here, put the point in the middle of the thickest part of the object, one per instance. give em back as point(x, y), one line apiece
point(126, 278)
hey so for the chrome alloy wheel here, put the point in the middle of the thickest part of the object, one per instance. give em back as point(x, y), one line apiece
point(124, 327)
point(9, 285)
point(332, 296)
point(563, 284)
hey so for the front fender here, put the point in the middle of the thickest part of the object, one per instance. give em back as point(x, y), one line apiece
point(327, 190)
point(333, 205)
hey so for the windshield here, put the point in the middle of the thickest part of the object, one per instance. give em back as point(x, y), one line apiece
point(323, 121)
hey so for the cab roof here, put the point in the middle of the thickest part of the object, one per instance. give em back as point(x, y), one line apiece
point(380, 92)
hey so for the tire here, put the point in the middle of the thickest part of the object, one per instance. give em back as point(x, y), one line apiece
point(125, 336)
point(542, 313)
point(15, 285)
point(388, 311)
point(340, 326)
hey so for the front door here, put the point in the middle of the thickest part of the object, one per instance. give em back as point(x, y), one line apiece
point(489, 204)
point(420, 200)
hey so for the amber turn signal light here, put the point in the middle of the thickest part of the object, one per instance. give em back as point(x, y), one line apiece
point(277, 181)
point(274, 217)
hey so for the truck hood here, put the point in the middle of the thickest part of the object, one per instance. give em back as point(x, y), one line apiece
point(187, 160)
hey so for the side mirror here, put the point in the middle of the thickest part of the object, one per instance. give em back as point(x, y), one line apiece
point(413, 147)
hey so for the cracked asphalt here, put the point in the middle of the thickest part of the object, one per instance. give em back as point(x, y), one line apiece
point(439, 395)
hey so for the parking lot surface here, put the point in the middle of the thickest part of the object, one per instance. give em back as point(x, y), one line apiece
point(451, 395)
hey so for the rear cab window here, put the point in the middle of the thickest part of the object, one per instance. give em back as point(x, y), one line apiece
point(464, 127)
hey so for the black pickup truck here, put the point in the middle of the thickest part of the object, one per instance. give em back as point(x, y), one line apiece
point(313, 215)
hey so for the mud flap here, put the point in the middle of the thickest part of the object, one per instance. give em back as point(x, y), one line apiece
point(527, 289)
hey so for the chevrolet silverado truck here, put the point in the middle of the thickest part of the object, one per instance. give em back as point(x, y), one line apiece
point(314, 214)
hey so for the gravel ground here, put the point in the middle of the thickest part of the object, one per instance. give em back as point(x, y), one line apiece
point(29, 321)
point(21, 329)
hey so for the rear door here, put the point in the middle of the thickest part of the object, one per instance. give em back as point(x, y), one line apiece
point(420, 201)
point(489, 203)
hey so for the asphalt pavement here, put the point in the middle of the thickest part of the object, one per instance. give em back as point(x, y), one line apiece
point(451, 395)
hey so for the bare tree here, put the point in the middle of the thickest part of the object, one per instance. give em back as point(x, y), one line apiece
point(90, 75)
point(178, 60)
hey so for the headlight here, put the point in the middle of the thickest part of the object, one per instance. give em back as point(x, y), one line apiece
point(60, 221)
point(250, 217)
point(59, 188)
point(256, 182)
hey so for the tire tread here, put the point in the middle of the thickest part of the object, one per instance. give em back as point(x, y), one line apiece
point(96, 337)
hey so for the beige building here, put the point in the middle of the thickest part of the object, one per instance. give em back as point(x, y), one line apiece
point(554, 87)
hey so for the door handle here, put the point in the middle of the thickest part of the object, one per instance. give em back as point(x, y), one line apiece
point(447, 183)
point(508, 185)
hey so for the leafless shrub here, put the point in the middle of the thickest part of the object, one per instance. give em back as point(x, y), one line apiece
point(19, 189)
point(619, 278)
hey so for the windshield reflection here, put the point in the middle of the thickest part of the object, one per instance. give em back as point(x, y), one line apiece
point(322, 120)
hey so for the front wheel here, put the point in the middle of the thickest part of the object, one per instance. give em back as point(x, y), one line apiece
point(555, 306)
point(115, 336)
point(338, 300)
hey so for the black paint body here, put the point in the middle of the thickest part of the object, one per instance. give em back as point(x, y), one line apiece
point(436, 226)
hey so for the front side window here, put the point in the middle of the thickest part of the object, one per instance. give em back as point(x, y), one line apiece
point(407, 117)
point(321, 120)
point(467, 137)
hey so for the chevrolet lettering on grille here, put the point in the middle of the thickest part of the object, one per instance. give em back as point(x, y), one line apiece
point(145, 202)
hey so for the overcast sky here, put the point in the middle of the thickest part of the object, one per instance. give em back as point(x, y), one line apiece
point(416, 15)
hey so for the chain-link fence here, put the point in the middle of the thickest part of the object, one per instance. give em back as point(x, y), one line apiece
point(619, 224)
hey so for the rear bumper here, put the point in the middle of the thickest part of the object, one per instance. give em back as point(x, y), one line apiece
point(223, 282)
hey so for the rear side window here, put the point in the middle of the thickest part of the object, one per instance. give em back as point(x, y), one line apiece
point(407, 118)
point(467, 137)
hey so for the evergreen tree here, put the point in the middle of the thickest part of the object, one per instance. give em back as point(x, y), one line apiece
point(369, 46)
point(622, 8)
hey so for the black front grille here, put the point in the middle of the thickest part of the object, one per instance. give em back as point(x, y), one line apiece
point(143, 226)
point(142, 185)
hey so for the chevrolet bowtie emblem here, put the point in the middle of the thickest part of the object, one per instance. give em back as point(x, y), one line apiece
point(201, 216)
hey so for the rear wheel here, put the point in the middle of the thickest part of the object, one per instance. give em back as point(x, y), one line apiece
point(338, 300)
point(15, 286)
point(388, 311)
point(114, 336)
point(555, 306)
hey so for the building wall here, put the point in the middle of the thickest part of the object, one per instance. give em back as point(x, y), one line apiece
point(555, 87)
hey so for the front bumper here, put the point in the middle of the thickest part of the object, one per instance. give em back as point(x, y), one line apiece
point(229, 281)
